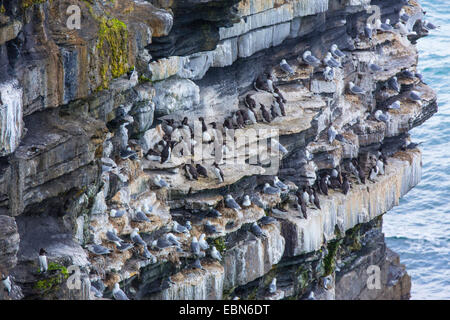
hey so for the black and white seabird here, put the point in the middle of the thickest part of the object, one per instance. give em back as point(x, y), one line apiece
point(111, 235)
point(286, 67)
point(205, 134)
point(161, 243)
point(316, 199)
point(123, 246)
point(429, 26)
point(280, 104)
point(403, 16)
point(191, 172)
point(302, 205)
point(153, 155)
point(117, 213)
point(201, 170)
point(408, 74)
point(310, 59)
point(373, 173)
point(265, 113)
point(240, 121)
point(218, 172)
point(249, 101)
point(43, 265)
point(118, 294)
point(323, 184)
point(195, 246)
point(6, 280)
point(173, 239)
point(384, 26)
point(268, 189)
point(345, 185)
point(380, 116)
point(165, 153)
point(214, 213)
point(373, 67)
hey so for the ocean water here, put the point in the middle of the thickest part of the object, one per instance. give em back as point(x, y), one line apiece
point(419, 229)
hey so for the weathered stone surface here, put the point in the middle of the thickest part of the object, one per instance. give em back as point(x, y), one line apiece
point(9, 243)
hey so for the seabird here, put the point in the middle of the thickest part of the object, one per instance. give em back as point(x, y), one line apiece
point(278, 92)
point(353, 170)
point(98, 249)
point(195, 246)
point(136, 238)
point(384, 26)
point(331, 62)
point(310, 59)
point(202, 242)
point(374, 67)
point(153, 155)
point(141, 217)
point(240, 121)
point(257, 200)
point(403, 16)
point(373, 173)
point(148, 255)
point(265, 113)
point(165, 153)
point(415, 96)
point(112, 236)
point(268, 189)
point(117, 213)
point(218, 172)
point(407, 74)
point(197, 265)
point(311, 296)
point(323, 184)
point(267, 220)
point(256, 230)
point(161, 243)
point(7, 283)
point(332, 132)
point(188, 225)
point(127, 153)
point(251, 116)
point(214, 213)
point(246, 202)
point(191, 172)
point(178, 228)
point(43, 265)
point(159, 182)
point(280, 185)
point(355, 89)
point(210, 228)
point(231, 203)
point(278, 211)
point(345, 185)
point(380, 116)
point(280, 147)
point(205, 134)
point(97, 293)
point(173, 239)
point(393, 84)
point(368, 32)
point(215, 254)
point(302, 207)
point(328, 73)
point(123, 246)
point(428, 25)
point(286, 67)
point(316, 199)
point(249, 101)
point(336, 52)
point(228, 124)
point(118, 294)
point(273, 286)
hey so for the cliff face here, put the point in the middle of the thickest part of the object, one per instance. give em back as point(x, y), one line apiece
point(71, 104)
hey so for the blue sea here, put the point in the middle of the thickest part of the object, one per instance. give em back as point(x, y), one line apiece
point(419, 229)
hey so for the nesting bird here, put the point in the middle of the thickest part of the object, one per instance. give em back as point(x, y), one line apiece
point(310, 59)
point(355, 89)
point(329, 73)
point(336, 52)
point(43, 265)
point(268, 189)
point(286, 67)
point(118, 294)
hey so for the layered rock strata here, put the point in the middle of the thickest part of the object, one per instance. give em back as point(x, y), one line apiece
point(82, 110)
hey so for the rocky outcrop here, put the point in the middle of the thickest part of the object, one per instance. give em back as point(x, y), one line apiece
point(88, 116)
